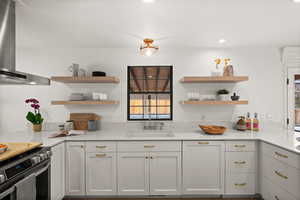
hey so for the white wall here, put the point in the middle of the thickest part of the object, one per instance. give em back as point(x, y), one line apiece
point(264, 90)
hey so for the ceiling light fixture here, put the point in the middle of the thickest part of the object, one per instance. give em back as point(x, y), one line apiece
point(147, 48)
point(296, 1)
point(222, 41)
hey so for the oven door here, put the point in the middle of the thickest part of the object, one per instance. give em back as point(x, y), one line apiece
point(8, 194)
point(35, 185)
point(43, 189)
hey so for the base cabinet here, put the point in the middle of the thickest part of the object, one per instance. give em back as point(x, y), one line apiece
point(133, 173)
point(155, 171)
point(75, 168)
point(279, 178)
point(58, 172)
point(165, 173)
point(101, 174)
point(203, 167)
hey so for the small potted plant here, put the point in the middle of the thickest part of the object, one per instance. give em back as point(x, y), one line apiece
point(223, 95)
point(35, 117)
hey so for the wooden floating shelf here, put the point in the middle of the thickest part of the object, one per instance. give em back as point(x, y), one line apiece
point(215, 102)
point(85, 79)
point(213, 79)
point(84, 102)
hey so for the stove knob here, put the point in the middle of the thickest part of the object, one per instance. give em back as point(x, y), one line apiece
point(43, 156)
point(35, 160)
point(2, 178)
point(49, 154)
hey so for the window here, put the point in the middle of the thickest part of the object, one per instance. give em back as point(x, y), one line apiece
point(293, 88)
point(150, 93)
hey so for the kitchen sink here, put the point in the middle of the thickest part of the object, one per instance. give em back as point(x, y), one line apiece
point(298, 139)
point(150, 134)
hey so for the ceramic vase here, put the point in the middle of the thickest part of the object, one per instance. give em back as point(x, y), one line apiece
point(37, 127)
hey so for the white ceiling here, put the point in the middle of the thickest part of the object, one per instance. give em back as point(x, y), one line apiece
point(123, 23)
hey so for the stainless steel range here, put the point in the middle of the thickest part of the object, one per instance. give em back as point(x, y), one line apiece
point(26, 176)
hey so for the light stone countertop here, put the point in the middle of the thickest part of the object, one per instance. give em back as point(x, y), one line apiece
point(279, 137)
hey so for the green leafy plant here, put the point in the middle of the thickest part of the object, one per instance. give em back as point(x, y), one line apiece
point(34, 117)
point(220, 92)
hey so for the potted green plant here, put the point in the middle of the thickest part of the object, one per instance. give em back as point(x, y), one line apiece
point(223, 95)
point(35, 117)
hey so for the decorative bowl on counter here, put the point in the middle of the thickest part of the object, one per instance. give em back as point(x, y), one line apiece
point(3, 148)
point(213, 130)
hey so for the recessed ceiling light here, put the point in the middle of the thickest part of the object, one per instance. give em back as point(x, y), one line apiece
point(222, 41)
point(296, 1)
point(148, 1)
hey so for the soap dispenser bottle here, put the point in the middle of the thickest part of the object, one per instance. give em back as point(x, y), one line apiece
point(255, 123)
point(248, 122)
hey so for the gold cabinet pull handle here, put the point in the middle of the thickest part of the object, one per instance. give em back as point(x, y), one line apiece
point(100, 155)
point(240, 146)
point(149, 146)
point(276, 197)
point(203, 142)
point(281, 175)
point(100, 147)
point(281, 155)
point(240, 184)
point(240, 162)
point(81, 146)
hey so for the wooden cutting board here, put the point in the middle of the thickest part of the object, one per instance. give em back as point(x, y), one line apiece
point(15, 149)
point(81, 120)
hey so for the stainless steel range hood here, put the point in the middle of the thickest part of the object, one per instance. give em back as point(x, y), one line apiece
point(8, 73)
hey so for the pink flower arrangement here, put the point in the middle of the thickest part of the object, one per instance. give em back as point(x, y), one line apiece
point(36, 117)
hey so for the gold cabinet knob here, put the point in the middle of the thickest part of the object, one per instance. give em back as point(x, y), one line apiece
point(239, 146)
point(240, 184)
point(149, 146)
point(240, 162)
point(281, 155)
point(203, 142)
point(100, 147)
point(280, 175)
point(100, 155)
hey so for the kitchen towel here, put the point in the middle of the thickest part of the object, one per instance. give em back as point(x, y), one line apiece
point(26, 188)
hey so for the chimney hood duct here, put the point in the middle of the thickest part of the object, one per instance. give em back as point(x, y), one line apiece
point(8, 73)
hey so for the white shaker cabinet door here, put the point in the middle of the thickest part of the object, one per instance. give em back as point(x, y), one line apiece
point(165, 173)
point(101, 174)
point(75, 168)
point(58, 172)
point(133, 173)
point(203, 167)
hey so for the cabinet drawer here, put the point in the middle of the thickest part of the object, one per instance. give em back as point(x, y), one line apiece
point(271, 191)
point(188, 144)
point(101, 147)
point(240, 183)
point(287, 157)
point(240, 146)
point(241, 162)
point(71, 145)
point(285, 176)
point(149, 146)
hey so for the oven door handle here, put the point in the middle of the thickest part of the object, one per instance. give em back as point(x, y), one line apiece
point(6, 192)
point(42, 170)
